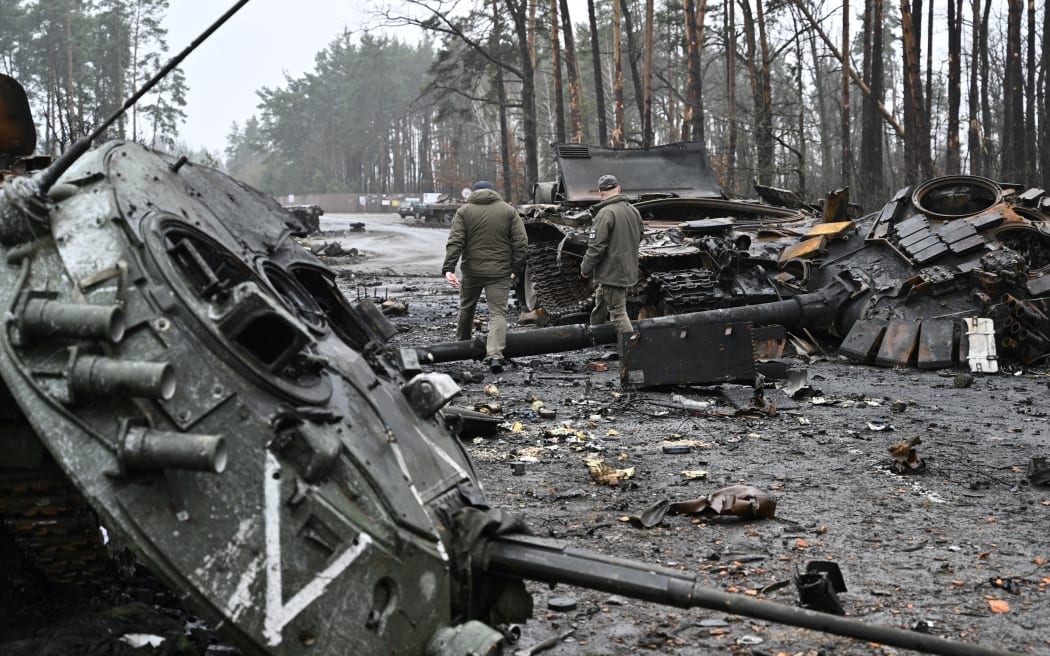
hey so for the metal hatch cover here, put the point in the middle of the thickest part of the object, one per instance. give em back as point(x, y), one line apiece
point(680, 169)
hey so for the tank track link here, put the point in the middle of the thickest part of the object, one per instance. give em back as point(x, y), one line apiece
point(559, 291)
point(687, 290)
point(55, 530)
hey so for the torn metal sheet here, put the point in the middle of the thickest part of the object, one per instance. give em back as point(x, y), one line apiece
point(688, 355)
point(742, 501)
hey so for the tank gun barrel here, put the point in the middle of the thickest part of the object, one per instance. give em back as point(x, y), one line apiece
point(550, 562)
point(812, 309)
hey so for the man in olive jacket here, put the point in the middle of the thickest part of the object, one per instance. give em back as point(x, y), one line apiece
point(490, 237)
point(612, 254)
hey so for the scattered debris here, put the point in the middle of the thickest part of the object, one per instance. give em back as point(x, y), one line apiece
point(1038, 471)
point(607, 475)
point(332, 249)
point(818, 587)
point(906, 460)
point(742, 501)
point(394, 308)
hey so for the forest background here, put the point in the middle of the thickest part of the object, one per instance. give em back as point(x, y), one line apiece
point(800, 94)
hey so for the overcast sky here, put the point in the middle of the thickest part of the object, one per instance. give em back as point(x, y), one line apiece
point(256, 48)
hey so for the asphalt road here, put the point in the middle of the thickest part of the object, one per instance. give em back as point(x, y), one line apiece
point(389, 244)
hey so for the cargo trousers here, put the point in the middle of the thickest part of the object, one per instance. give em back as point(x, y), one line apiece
point(610, 304)
point(497, 295)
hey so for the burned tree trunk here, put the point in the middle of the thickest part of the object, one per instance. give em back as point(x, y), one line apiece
point(871, 130)
point(559, 97)
point(729, 7)
point(1013, 151)
point(844, 123)
point(975, 135)
point(572, 68)
point(647, 78)
point(618, 119)
point(917, 162)
point(599, 85)
point(951, 159)
point(633, 55)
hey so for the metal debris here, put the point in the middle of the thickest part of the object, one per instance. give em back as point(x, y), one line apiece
point(743, 501)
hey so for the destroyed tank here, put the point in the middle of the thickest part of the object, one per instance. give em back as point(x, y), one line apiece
point(49, 521)
point(700, 249)
point(948, 249)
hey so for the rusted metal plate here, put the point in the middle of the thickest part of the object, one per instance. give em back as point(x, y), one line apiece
point(863, 340)
point(831, 230)
point(936, 344)
point(806, 249)
point(987, 220)
point(898, 346)
point(718, 353)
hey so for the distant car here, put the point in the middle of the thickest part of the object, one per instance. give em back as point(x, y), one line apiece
point(413, 208)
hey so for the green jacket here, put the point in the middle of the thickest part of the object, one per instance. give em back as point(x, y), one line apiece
point(489, 235)
point(612, 246)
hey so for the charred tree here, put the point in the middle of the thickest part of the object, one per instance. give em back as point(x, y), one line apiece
point(844, 123)
point(917, 164)
point(1013, 150)
point(871, 126)
point(519, 13)
point(1030, 141)
point(695, 17)
point(647, 78)
point(599, 85)
point(1043, 101)
point(729, 7)
point(634, 55)
point(501, 97)
point(986, 107)
point(975, 133)
point(572, 69)
point(559, 96)
point(761, 89)
point(618, 118)
point(951, 153)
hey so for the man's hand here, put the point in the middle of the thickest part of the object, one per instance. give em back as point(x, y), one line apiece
point(453, 281)
point(513, 276)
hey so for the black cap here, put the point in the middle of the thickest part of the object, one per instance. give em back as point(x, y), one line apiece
point(483, 184)
point(607, 182)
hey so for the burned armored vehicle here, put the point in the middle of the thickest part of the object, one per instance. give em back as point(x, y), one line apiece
point(700, 249)
point(49, 521)
point(939, 253)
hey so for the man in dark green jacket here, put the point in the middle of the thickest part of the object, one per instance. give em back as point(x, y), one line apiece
point(611, 259)
point(490, 237)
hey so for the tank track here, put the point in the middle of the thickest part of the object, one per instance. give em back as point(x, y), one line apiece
point(560, 292)
point(55, 530)
point(687, 290)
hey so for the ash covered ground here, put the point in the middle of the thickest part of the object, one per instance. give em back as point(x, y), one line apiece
point(959, 548)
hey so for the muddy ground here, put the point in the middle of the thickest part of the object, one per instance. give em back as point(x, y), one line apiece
point(959, 549)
